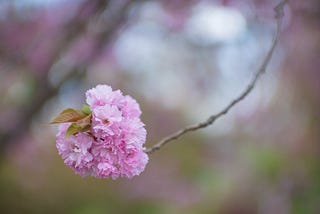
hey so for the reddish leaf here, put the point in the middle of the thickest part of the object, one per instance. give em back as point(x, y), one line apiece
point(79, 126)
point(69, 115)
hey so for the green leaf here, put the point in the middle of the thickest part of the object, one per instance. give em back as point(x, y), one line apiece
point(85, 128)
point(86, 109)
point(73, 129)
point(68, 115)
point(82, 125)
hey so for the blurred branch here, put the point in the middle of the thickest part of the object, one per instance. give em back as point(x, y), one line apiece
point(279, 13)
point(71, 30)
point(47, 91)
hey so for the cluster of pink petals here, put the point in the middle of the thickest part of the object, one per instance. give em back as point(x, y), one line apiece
point(114, 145)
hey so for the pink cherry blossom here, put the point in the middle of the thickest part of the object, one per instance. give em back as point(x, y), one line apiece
point(75, 150)
point(113, 147)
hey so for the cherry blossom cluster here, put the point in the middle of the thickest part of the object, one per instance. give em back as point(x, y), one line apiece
point(113, 145)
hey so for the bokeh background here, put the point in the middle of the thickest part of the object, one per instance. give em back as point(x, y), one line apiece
point(183, 60)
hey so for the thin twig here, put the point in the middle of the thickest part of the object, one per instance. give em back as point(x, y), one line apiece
point(174, 136)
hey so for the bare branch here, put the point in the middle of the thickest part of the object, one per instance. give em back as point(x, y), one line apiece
point(174, 136)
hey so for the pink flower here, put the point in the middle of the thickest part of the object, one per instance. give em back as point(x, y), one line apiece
point(130, 107)
point(102, 95)
point(75, 150)
point(105, 118)
point(113, 147)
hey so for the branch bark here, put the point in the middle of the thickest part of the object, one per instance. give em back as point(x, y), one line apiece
point(279, 13)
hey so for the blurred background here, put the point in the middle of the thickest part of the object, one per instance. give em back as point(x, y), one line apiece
point(183, 60)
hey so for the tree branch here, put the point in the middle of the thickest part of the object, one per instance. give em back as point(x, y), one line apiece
point(176, 135)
